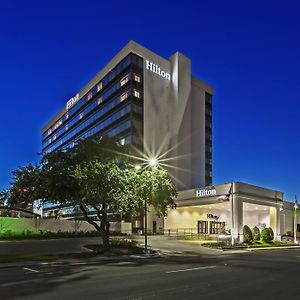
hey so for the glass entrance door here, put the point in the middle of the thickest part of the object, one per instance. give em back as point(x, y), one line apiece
point(203, 227)
point(216, 227)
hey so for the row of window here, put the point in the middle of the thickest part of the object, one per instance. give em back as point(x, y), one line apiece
point(132, 58)
point(104, 123)
point(103, 110)
point(100, 99)
point(112, 132)
point(110, 105)
point(97, 114)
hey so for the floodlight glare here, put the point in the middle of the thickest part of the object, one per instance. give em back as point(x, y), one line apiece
point(153, 162)
point(137, 167)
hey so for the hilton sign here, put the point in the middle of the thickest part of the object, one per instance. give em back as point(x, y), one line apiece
point(204, 192)
point(72, 101)
point(157, 70)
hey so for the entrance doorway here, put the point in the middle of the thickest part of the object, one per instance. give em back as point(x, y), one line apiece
point(203, 227)
point(216, 227)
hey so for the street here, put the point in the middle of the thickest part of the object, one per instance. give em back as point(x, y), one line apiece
point(247, 275)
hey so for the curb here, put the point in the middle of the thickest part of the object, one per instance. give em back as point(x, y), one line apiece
point(274, 248)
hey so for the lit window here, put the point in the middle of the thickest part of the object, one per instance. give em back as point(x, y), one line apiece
point(81, 115)
point(49, 131)
point(124, 80)
point(66, 127)
point(137, 94)
point(124, 96)
point(67, 116)
point(137, 78)
point(54, 137)
point(99, 86)
point(99, 101)
point(90, 95)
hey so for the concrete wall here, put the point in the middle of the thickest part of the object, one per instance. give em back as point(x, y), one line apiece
point(20, 224)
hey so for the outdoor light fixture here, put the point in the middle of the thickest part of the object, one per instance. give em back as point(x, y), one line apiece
point(295, 220)
point(153, 162)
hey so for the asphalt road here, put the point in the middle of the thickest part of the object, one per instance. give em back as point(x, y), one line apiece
point(271, 274)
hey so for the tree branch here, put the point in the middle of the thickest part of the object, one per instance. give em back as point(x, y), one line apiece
point(87, 218)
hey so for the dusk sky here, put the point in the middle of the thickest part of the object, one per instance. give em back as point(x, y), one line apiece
point(248, 50)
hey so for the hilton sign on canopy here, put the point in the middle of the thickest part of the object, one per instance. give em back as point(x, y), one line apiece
point(157, 70)
point(204, 192)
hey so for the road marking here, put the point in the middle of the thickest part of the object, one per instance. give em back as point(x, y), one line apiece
point(191, 269)
point(35, 271)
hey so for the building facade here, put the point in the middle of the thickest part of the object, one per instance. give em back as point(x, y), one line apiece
point(150, 102)
point(223, 210)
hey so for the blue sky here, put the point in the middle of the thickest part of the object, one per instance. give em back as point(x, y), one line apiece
point(248, 50)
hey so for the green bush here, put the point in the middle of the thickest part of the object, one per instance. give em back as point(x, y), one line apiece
point(271, 233)
point(266, 235)
point(247, 233)
point(256, 233)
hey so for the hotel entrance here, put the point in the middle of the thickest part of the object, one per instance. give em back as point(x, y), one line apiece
point(211, 227)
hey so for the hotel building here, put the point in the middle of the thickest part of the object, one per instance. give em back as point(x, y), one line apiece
point(155, 104)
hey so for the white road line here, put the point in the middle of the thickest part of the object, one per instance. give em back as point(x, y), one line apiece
point(191, 269)
point(35, 271)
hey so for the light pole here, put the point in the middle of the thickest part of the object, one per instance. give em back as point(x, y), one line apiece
point(153, 162)
point(295, 220)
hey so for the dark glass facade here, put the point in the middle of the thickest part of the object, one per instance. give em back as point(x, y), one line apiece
point(114, 107)
point(208, 139)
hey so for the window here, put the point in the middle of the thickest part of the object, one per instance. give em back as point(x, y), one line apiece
point(99, 86)
point(49, 131)
point(124, 96)
point(124, 80)
point(137, 78)
point(81, 116)
point(137, 93)
point(100, 100)
point(122, 141)
point(90, 95)
point(66, 127)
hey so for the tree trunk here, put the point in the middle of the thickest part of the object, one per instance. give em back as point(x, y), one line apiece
point(103, 229)
point(105, 238)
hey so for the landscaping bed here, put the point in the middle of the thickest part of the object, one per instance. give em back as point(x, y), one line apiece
point(118, 247)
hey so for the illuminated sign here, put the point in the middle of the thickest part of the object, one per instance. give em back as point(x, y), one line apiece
point(208, 191)
point(72, 101)
point(211, 216)
point(157, 70)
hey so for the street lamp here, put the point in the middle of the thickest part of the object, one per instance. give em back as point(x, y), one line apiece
point(152, 162)
point(295, 220)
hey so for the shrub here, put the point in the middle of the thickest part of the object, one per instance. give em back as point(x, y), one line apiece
point(247, 233)
point(256, 233)
point(271, 233)
point(266, 235)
